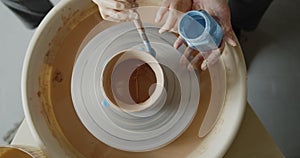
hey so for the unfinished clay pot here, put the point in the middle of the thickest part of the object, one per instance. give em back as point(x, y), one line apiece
point(132, 80)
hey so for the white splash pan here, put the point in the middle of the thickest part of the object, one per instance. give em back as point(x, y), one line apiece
point(48, 106)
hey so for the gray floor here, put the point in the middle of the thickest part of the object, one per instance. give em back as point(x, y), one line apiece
point(14, 39)
point(272, 54)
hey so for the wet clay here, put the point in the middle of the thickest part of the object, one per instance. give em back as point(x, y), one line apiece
point(139, 83)
point(63, 120)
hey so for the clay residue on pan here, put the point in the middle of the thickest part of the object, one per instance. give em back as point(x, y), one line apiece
point(57, 76)
point(53, 76)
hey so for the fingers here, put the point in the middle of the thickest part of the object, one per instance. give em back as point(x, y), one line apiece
point(126, 15)
point(195, 63)
point(179, 41)
point(118, 16)
point(194, 59)
point(204, 59)
point(230, 38)
point(212, 58)
point(189, 54)
point(227, 28)
point(113, 4)
point(171, 22)
point(168, 9)
point(160, 14)
point(117, 11)
point(105, 13)
point(186, 55)
point(162, 10)
point(221, 12)
point(228, 33)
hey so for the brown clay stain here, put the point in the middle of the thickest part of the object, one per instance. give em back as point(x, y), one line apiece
point(57, 76)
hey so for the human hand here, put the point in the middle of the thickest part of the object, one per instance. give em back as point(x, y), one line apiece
point(195, 59)
point(173, 9)
point(117, 10)
point(221, 13)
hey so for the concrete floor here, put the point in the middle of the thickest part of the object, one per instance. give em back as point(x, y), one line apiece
point(14, 39)
point(271, 52)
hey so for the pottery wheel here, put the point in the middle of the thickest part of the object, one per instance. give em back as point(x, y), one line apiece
point(133, 131)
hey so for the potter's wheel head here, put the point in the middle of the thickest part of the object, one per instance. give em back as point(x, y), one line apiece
point(170, 112)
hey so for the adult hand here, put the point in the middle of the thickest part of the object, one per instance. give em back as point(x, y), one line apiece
point(220, 11)
point(117, 10)
point(196, 59)
point(173, 9)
